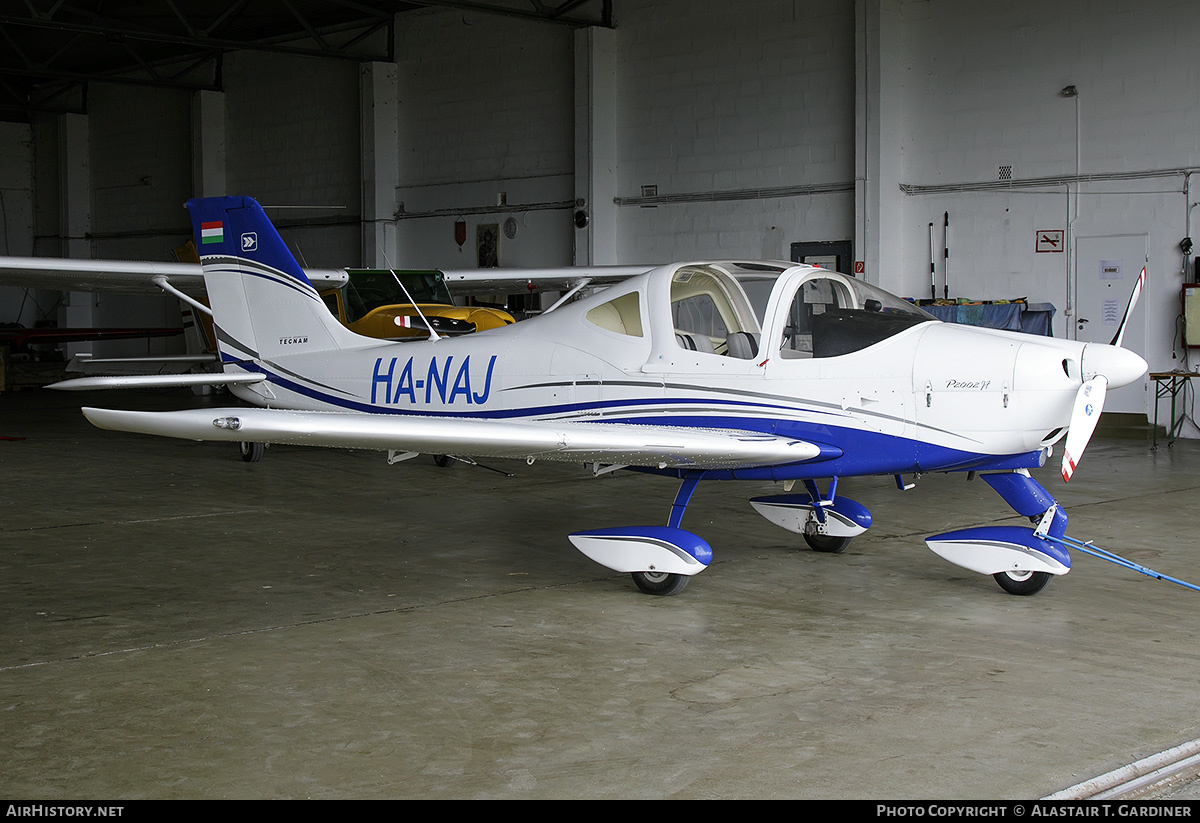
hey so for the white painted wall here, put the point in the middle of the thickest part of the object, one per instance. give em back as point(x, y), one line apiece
point(486, 107)
point(981, 88)
point(727, 96)
point(292, 139)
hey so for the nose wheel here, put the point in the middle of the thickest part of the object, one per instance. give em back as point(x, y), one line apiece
point(826, 543)
point(663, 584)
point(1024, 583)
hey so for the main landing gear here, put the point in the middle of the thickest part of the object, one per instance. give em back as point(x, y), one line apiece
point(659, 558)
point(662, 558)
point(251, 452)
point(663, 584)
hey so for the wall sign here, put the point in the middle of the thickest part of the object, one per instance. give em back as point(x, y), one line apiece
point(1049, 241)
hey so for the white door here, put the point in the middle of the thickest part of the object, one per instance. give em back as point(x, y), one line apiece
point(1105, 270)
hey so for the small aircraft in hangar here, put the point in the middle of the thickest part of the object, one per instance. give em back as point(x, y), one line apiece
point(676, 372)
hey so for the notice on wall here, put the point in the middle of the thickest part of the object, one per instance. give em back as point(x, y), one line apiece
point(1111, 312)
point(1049, 241)
point(1110, 269)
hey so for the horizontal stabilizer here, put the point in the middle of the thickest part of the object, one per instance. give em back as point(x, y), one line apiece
point(630, 445)
point(84, 357)
point(155, 381)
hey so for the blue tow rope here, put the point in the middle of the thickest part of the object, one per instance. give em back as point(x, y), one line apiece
point(1096, 551)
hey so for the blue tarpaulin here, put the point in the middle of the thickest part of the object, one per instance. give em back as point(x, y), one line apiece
point(1033, 318)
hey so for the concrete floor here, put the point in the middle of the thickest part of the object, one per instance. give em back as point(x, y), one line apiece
point(179, 624)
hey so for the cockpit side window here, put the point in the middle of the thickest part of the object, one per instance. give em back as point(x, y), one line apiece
point(711, 314)
point(622, 315)
point(698, 314)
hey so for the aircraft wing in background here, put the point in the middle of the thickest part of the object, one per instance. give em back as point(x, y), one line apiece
point(122, 276)
point(137, 276)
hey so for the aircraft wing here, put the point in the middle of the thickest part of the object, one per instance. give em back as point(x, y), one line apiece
point(577, 442)
point(513, 281)
point(123, 276)
point(134, 276)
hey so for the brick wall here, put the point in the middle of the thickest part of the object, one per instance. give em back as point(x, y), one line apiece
point(717, 97)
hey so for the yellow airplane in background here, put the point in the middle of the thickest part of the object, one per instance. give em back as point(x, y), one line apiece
point(394, 305)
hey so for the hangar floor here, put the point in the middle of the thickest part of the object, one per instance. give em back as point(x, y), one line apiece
point(179, 624)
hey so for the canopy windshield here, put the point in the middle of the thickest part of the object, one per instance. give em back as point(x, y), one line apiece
point(831, 314)
point(366, 291)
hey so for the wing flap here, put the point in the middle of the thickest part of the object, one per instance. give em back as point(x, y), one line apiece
point(626, 444)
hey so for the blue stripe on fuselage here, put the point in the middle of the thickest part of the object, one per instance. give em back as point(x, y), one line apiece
point(863, 452)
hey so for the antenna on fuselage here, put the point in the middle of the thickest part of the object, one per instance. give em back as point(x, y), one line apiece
point(433, 335)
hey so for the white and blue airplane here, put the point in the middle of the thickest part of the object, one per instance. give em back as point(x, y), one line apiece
point(700, 371)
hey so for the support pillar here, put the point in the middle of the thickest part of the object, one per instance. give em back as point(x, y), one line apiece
point(878, 201)
point(595, 147)
point(380, 152)
point(75, 219)
point(208, 144)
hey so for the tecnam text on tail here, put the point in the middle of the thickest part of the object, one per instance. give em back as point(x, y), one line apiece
point(702, 371)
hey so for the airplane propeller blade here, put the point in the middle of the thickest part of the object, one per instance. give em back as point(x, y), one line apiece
point(1133, 298)
point(1089, 402)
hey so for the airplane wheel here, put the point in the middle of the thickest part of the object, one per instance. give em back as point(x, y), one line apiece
point(825, 543)
point(444, 460)
point(660, 583)
point(251, 452)
point(1024, 583)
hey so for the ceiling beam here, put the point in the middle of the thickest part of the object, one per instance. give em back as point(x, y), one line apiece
point(111, 32)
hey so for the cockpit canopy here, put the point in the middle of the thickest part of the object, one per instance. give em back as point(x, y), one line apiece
point(827, 313)
point(729, 309)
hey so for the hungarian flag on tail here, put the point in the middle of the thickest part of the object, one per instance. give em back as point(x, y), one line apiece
point(212, 232)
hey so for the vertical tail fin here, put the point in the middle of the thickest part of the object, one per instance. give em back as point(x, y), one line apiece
point(263, 305)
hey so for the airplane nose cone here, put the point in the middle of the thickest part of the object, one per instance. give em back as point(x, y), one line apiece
point(1120, 366)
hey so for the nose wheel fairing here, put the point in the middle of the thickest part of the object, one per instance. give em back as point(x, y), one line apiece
point(799, 513)
point(1000, 549)
point(1015, 551)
